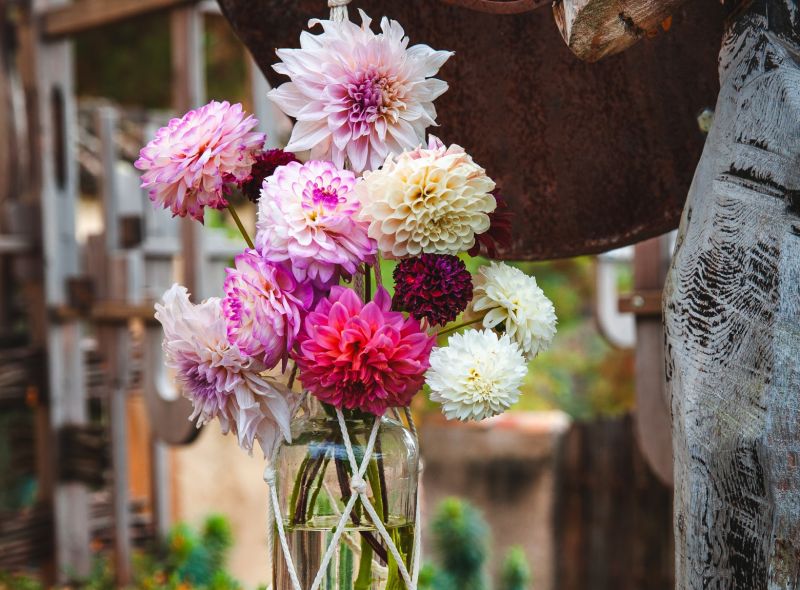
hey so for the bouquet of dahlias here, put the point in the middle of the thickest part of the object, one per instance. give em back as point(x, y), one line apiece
point(304, 310)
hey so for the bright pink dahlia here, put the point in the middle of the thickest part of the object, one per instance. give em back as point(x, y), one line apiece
point(307, 217)
point(264, 166)
point(436, 287)
point(357, 94)
point(264, 306)
point(188, 163)
point(357, 356)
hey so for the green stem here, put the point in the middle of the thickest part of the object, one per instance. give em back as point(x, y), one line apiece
point(459, 326)
point(296, 489)
point(364, 578)
point(239, 224)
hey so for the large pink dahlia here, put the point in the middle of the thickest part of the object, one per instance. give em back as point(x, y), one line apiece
point(307, 216)
point(188, 163)
point(217, 377)
point(358, 356)
point(356, 94)
point(264, 305)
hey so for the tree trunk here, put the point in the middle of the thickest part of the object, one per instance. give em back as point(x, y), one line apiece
point(732, 321)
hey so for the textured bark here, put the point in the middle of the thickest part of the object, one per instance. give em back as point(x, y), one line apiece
point(732, 320)
point(593, 29)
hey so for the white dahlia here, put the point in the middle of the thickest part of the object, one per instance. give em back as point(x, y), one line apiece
point(513, 297)
point(356, 94)
point(431, 201)
point(219, 380)
point(477, 375)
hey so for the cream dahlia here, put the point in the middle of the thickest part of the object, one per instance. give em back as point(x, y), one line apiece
point(509, 295)
point(307, 216)
point(220, 380)
point(358, 95)
point(477, 375)
point(432, 200)
point(188, 163)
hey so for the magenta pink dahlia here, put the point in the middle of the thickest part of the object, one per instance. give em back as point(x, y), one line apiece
point(357, 356)
point(307, 217)
point(264, 306)
point(356, 94)
point(436, 287)
point(186, 166)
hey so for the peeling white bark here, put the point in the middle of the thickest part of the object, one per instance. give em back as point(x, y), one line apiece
point(732, 321)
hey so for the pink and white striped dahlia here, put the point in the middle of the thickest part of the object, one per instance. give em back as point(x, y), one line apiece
point(264, 305)
point(187, 164)
point(356, 94)
point(307, 217)
point(217, 377)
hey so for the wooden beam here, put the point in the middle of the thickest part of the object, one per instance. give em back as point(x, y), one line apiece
point(593, 29)
point(86, 15)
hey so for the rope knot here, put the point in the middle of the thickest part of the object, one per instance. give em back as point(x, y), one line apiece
point(358, 485)
point(269, 476)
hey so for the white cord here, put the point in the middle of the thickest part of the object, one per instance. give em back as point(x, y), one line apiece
point(338, 10)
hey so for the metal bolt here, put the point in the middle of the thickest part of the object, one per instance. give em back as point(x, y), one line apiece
point(637, 301)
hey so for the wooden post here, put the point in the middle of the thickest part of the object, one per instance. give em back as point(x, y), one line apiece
point(732, 320)
point(595, 28)
point(652, 413)
point(52, 64)
point(115, 342)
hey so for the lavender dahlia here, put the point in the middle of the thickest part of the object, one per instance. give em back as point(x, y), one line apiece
point(307, 217)
point(436, 287)
point(217, 377)
point(358, 95)
point(190, 160)
point(264, 305)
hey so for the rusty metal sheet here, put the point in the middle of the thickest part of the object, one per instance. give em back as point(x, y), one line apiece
point(590, 156)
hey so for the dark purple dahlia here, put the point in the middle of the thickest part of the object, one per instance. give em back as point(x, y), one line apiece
point(264, 166)
point(436, 287)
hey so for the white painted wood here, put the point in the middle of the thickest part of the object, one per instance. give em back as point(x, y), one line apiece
point(732, 320)
point(616, 327)
point(67, 388)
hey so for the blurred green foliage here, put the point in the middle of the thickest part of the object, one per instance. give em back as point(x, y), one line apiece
point(187, 560)
point(461, 548)
point(129, 62)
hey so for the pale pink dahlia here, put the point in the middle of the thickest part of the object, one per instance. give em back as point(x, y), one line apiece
point(188, 163)
point(307, 217)
point(365, 357)
point(356, 94)
point(217, 377)
point(264, 305)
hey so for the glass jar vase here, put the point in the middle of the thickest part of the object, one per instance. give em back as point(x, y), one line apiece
point(314, 484)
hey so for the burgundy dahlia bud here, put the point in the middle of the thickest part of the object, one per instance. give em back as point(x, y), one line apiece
point(264, 166)
point(498, 236)
point(436, 287)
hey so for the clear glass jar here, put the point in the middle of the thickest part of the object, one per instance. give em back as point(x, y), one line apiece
point(313, 483)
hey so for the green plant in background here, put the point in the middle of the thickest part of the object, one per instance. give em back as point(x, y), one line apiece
point(516, 574)
point(460, 543)
point(461, 547)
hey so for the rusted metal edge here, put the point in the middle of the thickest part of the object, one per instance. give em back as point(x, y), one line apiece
point(500, 6)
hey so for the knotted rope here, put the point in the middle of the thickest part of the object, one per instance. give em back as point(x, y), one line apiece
point(358, 486)
point(338, 10)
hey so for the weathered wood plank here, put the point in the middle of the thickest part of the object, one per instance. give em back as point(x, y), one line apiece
point(732, 319)
point(85, 15)
point(593, 29)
